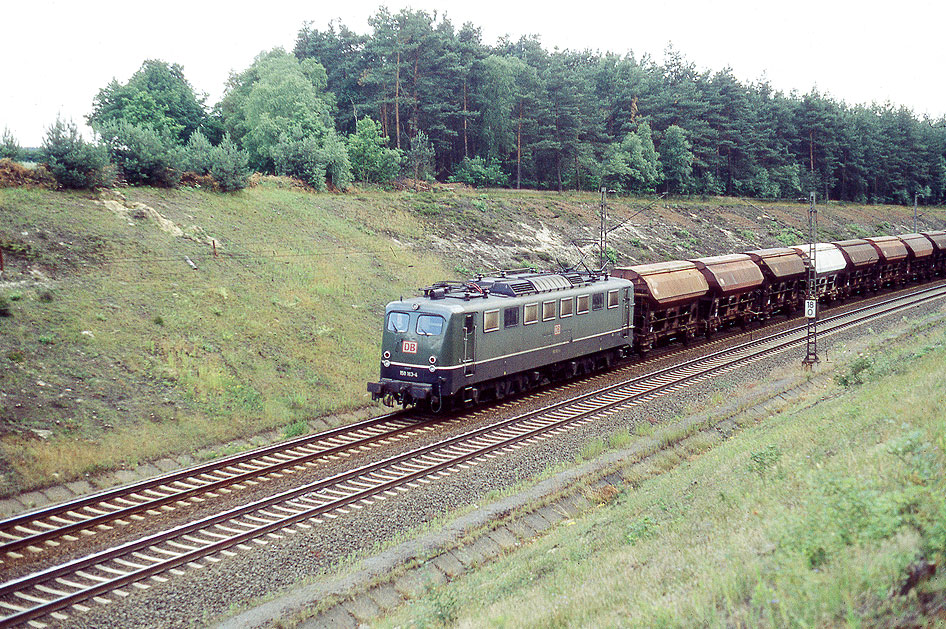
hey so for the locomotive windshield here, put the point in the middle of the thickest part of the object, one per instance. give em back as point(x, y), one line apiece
point(429, 325)
point(398, 322)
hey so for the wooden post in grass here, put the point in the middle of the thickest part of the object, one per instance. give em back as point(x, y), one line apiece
point(1, 261)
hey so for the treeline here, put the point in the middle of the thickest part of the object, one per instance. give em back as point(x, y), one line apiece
point(417, 97)
point(566, 119)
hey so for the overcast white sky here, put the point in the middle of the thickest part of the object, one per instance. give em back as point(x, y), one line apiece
point(58, 54)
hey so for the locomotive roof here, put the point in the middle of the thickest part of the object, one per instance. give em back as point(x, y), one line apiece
point(515, 284)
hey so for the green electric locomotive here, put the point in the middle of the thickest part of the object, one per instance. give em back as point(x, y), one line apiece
point(464, 342)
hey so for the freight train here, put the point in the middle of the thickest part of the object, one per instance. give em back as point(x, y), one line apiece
point(461, 343)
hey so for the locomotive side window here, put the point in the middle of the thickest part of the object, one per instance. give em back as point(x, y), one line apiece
point(566, 307)
point(511, 317)
point(582, 304)
point(548, 310)
point(530, 314)
point(597, 301)
point(429, 325)
point(398, 321)
point(613, 301)
point(491, 320)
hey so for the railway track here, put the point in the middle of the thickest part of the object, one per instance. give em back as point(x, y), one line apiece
point(46, 528)
point(61, 590)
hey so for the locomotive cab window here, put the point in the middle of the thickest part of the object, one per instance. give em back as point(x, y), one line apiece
point(511, 317)
point(430, 325)
point(566, 307)
point(530, 314)
point(398, 322)
point(491, 320)
point(548, 310)
point(582, 304)
point(613, 301)
point(597, 301)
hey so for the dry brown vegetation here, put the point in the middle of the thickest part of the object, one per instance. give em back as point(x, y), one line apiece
point(14, 175)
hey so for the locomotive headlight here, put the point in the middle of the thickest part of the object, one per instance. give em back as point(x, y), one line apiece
point(386, 354)
point(433, 368)
point(386, 362)
point(433, 360)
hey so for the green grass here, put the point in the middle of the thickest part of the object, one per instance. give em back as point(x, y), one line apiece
point(811, 518)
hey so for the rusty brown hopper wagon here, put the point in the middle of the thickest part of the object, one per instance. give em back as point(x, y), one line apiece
point(919, 256)
point(666, 298)
point(735, 283)
point(938, 238)
point(785, 279)
point(862, 260)
point(893, 265)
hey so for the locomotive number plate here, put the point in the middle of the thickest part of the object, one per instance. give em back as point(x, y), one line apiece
point(409, 347)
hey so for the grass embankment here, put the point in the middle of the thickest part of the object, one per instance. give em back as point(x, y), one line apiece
point(815, 517)
point(117, 351)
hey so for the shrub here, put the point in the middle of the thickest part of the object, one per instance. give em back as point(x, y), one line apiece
point(300, 157)
point(9, 147)
point(762, 460)
point(337, 165)
point(371, 160)
point(226, 163)
point(419, 160)
point(315, 162)
point(856, 372)
point(479, 173)
point(144, 156)
point(197, 154)
point(229, 165)
point(73, 162)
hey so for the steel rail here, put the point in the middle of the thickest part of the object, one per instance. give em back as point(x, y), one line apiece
point(424, 462)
